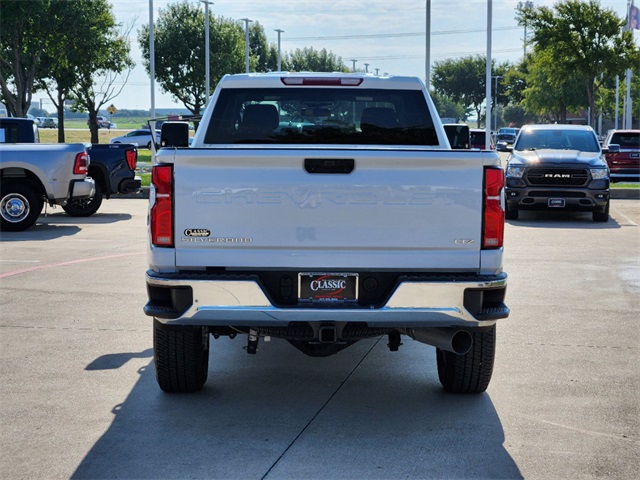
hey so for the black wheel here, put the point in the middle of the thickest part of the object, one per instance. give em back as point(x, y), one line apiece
point(602, 215)
point(181, 356)
point(149, 145)
point(84, 207)
point(471, 372)
point(510, 213)
point(20, 205)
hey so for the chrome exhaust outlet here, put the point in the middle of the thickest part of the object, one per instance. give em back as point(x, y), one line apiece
point(449, 339)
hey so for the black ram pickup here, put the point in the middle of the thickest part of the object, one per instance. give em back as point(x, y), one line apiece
point(557, 167)
point(113, 168)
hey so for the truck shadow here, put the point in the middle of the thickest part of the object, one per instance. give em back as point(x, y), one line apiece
point(40, 231)
point(279, 414)
point(552, 219)
point(61, 218)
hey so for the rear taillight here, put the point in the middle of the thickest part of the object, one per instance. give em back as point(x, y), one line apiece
point(132, 158)
point(493, 229)
point(161, 218)
point(81, 165)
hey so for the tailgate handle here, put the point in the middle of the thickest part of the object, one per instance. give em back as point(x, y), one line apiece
point(329, 165)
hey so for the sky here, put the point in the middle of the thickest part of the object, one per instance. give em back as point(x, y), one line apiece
point(388, 35)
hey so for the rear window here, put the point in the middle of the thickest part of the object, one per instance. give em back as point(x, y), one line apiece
point(478, 138)
point(626, 140)
point(556, 139)
point(321, 116)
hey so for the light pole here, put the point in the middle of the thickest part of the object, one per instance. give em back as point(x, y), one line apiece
point(354, 64)
point(152, 63)
point(528, 5)
point(366, 68)
point(246, 42)
point(279, 58)
point(206, 47)
point(427, 56)
point(495, 106)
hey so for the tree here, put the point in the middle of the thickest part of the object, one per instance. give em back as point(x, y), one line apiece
point(308, 59)
point(180, 52)
point(580, 38)
point(550, 94)
point(447, 108)
point(88, 45)
point(25, 29)
point(464, 80)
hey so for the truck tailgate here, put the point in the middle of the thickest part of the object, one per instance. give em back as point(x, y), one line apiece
point(409, 209)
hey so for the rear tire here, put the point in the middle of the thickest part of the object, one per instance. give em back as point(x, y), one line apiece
point(471, 372)
point(181, 357)
point(20, 206)
point(602, 215)
point(84, 207)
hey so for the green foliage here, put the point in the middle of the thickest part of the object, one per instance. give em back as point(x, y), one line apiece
point(464, 80)
point(25, 30)
point(584, 43)
point(448, 108)
point(180, 52)
point(310, 60)
point(550, 93)
point(81, 52)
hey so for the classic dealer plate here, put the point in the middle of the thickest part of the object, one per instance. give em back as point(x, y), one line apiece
point(327, 287)
point(556, 202)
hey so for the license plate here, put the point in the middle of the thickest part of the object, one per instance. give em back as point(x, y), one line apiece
point(328, 287)
point(556, 202)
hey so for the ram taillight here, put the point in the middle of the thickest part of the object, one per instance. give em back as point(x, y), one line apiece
point(161, 218)
point(493, 226)
point(131, 156)
point(81, 165)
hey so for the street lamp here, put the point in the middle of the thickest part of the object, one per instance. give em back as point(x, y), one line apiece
point(246, 42)
point(528, 5)
point(279, 62)
point(366, 68)
point(206, 47)
point(354, 64)
point(495, 93)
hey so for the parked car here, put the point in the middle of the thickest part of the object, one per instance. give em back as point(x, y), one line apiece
point(478, 139)
point(40, 121)
point(557, 167)
point(103, 122)
point(505, 138)
point(140, 138)
point(50, 122)
point(622, 152)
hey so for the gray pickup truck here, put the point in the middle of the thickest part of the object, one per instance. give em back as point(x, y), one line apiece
point(32, 173)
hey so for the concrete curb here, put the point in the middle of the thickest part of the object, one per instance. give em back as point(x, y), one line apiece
point(625, 193)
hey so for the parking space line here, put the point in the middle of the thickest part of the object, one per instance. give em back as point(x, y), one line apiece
point(70, 262)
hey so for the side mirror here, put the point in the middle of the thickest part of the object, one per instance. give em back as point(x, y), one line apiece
point(613, 148)
point(174, 134)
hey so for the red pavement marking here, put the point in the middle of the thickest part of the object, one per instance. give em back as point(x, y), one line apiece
point(71, 262)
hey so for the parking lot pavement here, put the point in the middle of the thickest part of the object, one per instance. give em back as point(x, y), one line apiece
point(79, 397)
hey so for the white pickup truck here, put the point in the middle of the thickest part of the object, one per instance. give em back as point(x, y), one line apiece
point(324, 209)
point(32, 173)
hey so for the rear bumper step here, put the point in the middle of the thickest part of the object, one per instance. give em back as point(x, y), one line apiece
point(418, 300)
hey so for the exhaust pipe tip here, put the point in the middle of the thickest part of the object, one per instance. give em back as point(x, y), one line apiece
point(449, 339)
point(461, 342)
